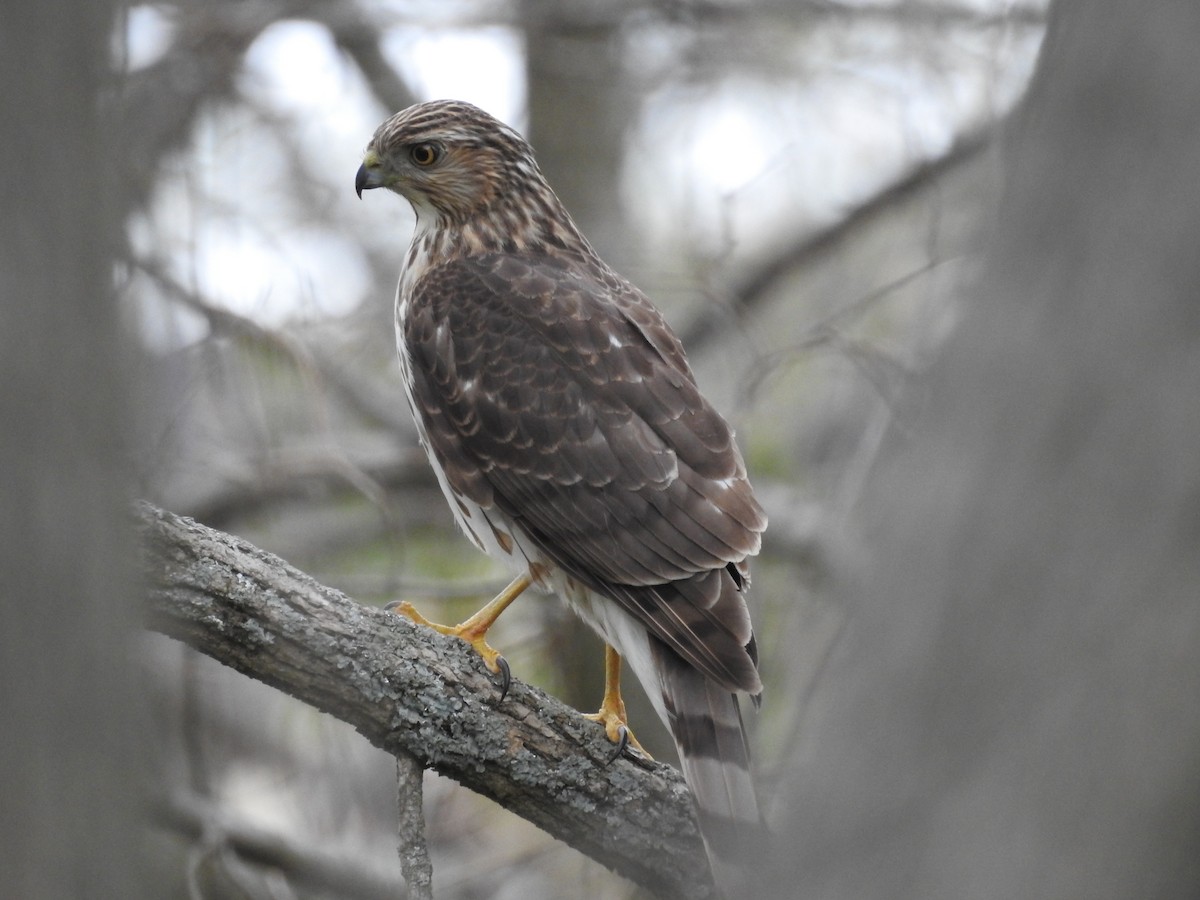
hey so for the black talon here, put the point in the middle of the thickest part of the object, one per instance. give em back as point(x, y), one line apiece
point(505, 677)
point(622, 744)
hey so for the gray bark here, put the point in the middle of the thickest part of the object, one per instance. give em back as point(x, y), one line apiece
point(411, 691)
point(414, 850)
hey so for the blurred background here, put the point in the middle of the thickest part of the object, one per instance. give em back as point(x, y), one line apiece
point(800, 186)
point(935, 259)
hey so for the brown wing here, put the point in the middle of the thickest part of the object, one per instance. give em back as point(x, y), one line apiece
point(557, 394)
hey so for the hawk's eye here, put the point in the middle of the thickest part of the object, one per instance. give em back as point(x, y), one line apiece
point(424, 154)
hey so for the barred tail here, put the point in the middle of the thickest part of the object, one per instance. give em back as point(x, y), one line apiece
point(706, 722)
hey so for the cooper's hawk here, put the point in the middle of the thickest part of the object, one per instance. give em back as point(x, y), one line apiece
point(569, 437)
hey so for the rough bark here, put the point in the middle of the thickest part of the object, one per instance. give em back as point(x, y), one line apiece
point(414, 850)
point(411, 691)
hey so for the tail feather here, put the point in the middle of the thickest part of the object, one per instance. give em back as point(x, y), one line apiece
point(706, 722)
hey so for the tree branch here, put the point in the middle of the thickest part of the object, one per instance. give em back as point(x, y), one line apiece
point(409, 690)
point(756, 287)
point(309, 865)
point(414, 851)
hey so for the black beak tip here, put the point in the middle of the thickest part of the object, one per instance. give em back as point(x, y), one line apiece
point(360, 181)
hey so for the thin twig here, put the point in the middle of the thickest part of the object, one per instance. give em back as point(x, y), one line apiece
point(414, 852)
point(714, 320)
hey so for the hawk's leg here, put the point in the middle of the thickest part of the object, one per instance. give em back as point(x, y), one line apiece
point(474, 630)
point(612, 707)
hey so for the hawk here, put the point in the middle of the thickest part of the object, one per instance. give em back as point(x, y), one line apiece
point(571, 442)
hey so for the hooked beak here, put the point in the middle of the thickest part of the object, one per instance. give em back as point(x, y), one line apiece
point(369, 175)
point(366, 179)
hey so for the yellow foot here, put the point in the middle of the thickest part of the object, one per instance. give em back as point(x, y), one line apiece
point(612, 708)
point(617, 730)
point(469, 631)
point(474, 630)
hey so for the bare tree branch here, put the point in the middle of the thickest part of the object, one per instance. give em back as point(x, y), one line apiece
point(908, 14)
point(411, 691)
point(158, 105)
point(756, 287)
point(360, 41)
point(414, 851)
point(310, 865)
point(289, 475)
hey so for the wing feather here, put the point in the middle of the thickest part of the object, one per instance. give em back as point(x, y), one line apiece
point(559, 395)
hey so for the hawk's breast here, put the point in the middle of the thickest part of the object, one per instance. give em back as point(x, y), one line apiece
point(489, 529)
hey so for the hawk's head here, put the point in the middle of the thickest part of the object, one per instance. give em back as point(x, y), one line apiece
point(449, 159)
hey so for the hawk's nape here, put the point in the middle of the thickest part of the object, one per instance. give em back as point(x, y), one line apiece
point(572, 443)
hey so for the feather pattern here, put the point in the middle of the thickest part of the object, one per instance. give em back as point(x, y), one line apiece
point(570, 438)
point(557, 429)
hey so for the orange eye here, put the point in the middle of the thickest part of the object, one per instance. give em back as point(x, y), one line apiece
point(424, 154)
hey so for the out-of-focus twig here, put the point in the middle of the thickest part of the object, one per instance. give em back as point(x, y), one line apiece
point(757, 286)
